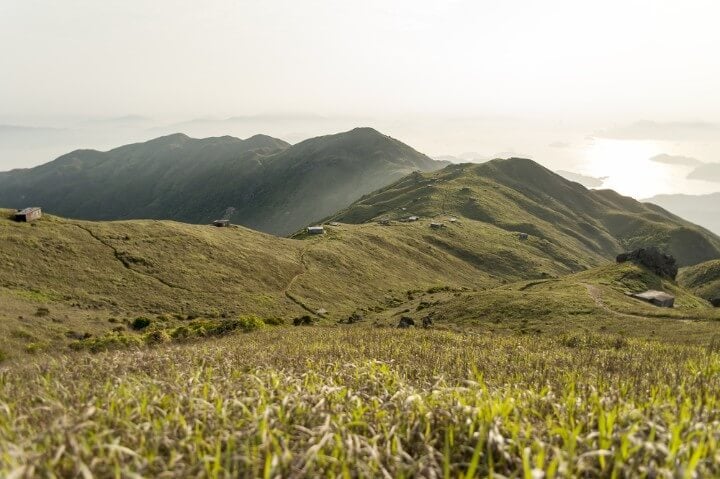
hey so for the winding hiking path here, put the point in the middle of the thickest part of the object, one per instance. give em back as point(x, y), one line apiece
point(304, 270)
point(596, 294)
point(122, 261)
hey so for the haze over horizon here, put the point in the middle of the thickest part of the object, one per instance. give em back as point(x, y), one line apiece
point(619, 90)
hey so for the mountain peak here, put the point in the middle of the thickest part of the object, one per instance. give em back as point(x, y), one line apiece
point(174, 137)
point(366, 130)
point(266, 141)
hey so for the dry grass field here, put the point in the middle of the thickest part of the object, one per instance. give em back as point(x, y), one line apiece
point(367, 402)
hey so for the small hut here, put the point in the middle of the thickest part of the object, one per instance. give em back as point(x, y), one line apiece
point(522, 236)
point(436, 226)
point(27, 215)
point(660, 299)
point(221, 223)
point(315, 230)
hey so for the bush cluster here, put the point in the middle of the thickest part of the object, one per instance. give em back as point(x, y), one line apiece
point(155, 333)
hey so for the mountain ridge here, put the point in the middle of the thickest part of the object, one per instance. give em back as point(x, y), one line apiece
point(261, 182)
point(518, 194)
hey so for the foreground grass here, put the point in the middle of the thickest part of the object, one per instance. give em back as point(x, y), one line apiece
point(359, 402)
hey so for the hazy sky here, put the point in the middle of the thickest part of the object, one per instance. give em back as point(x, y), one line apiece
point(590, 86)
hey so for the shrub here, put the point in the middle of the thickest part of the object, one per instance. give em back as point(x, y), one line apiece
point(157, 337)
point(303, 321)
point(250, 322)
point(107, 342)
point(140, 323)
point(243, 323)
point(180, 333)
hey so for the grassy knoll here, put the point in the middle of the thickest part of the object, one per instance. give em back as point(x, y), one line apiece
point(572, 225)
point(592, 301)
point(359, 402)
point(703, 279)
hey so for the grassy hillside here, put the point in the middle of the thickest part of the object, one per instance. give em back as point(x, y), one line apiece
point(156, 348)
point(593, 301)
point(62, 279)
point(331, 402)
point(95, 272)
point(262, 182)
point(703, 279)
point(518, 195)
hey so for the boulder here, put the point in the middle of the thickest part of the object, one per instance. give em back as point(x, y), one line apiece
point(406, 322)
point(652, 258)
point(427, 322)
point(660, 299)
point(715, 302)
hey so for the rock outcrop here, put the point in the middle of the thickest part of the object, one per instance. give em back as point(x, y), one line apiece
point(652, 258)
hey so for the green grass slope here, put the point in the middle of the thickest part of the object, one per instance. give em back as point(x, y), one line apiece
point(346, 402)
point(61, 279)
point(99, 273)
point(575, 225)
point(592, 301)
point(703, 279)
point(262, 182)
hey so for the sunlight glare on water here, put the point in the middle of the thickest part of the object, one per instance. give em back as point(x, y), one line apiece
point(627, 166)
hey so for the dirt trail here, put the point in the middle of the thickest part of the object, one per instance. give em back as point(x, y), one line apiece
point(304, 270)
point(125, 264)
point(596, 294)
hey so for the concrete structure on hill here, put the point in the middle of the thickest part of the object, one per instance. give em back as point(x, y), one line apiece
point(28, 214)
point(660, 299)
point(221, 223)
point(522, 236)
point(436, 226)
point(315, 230)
